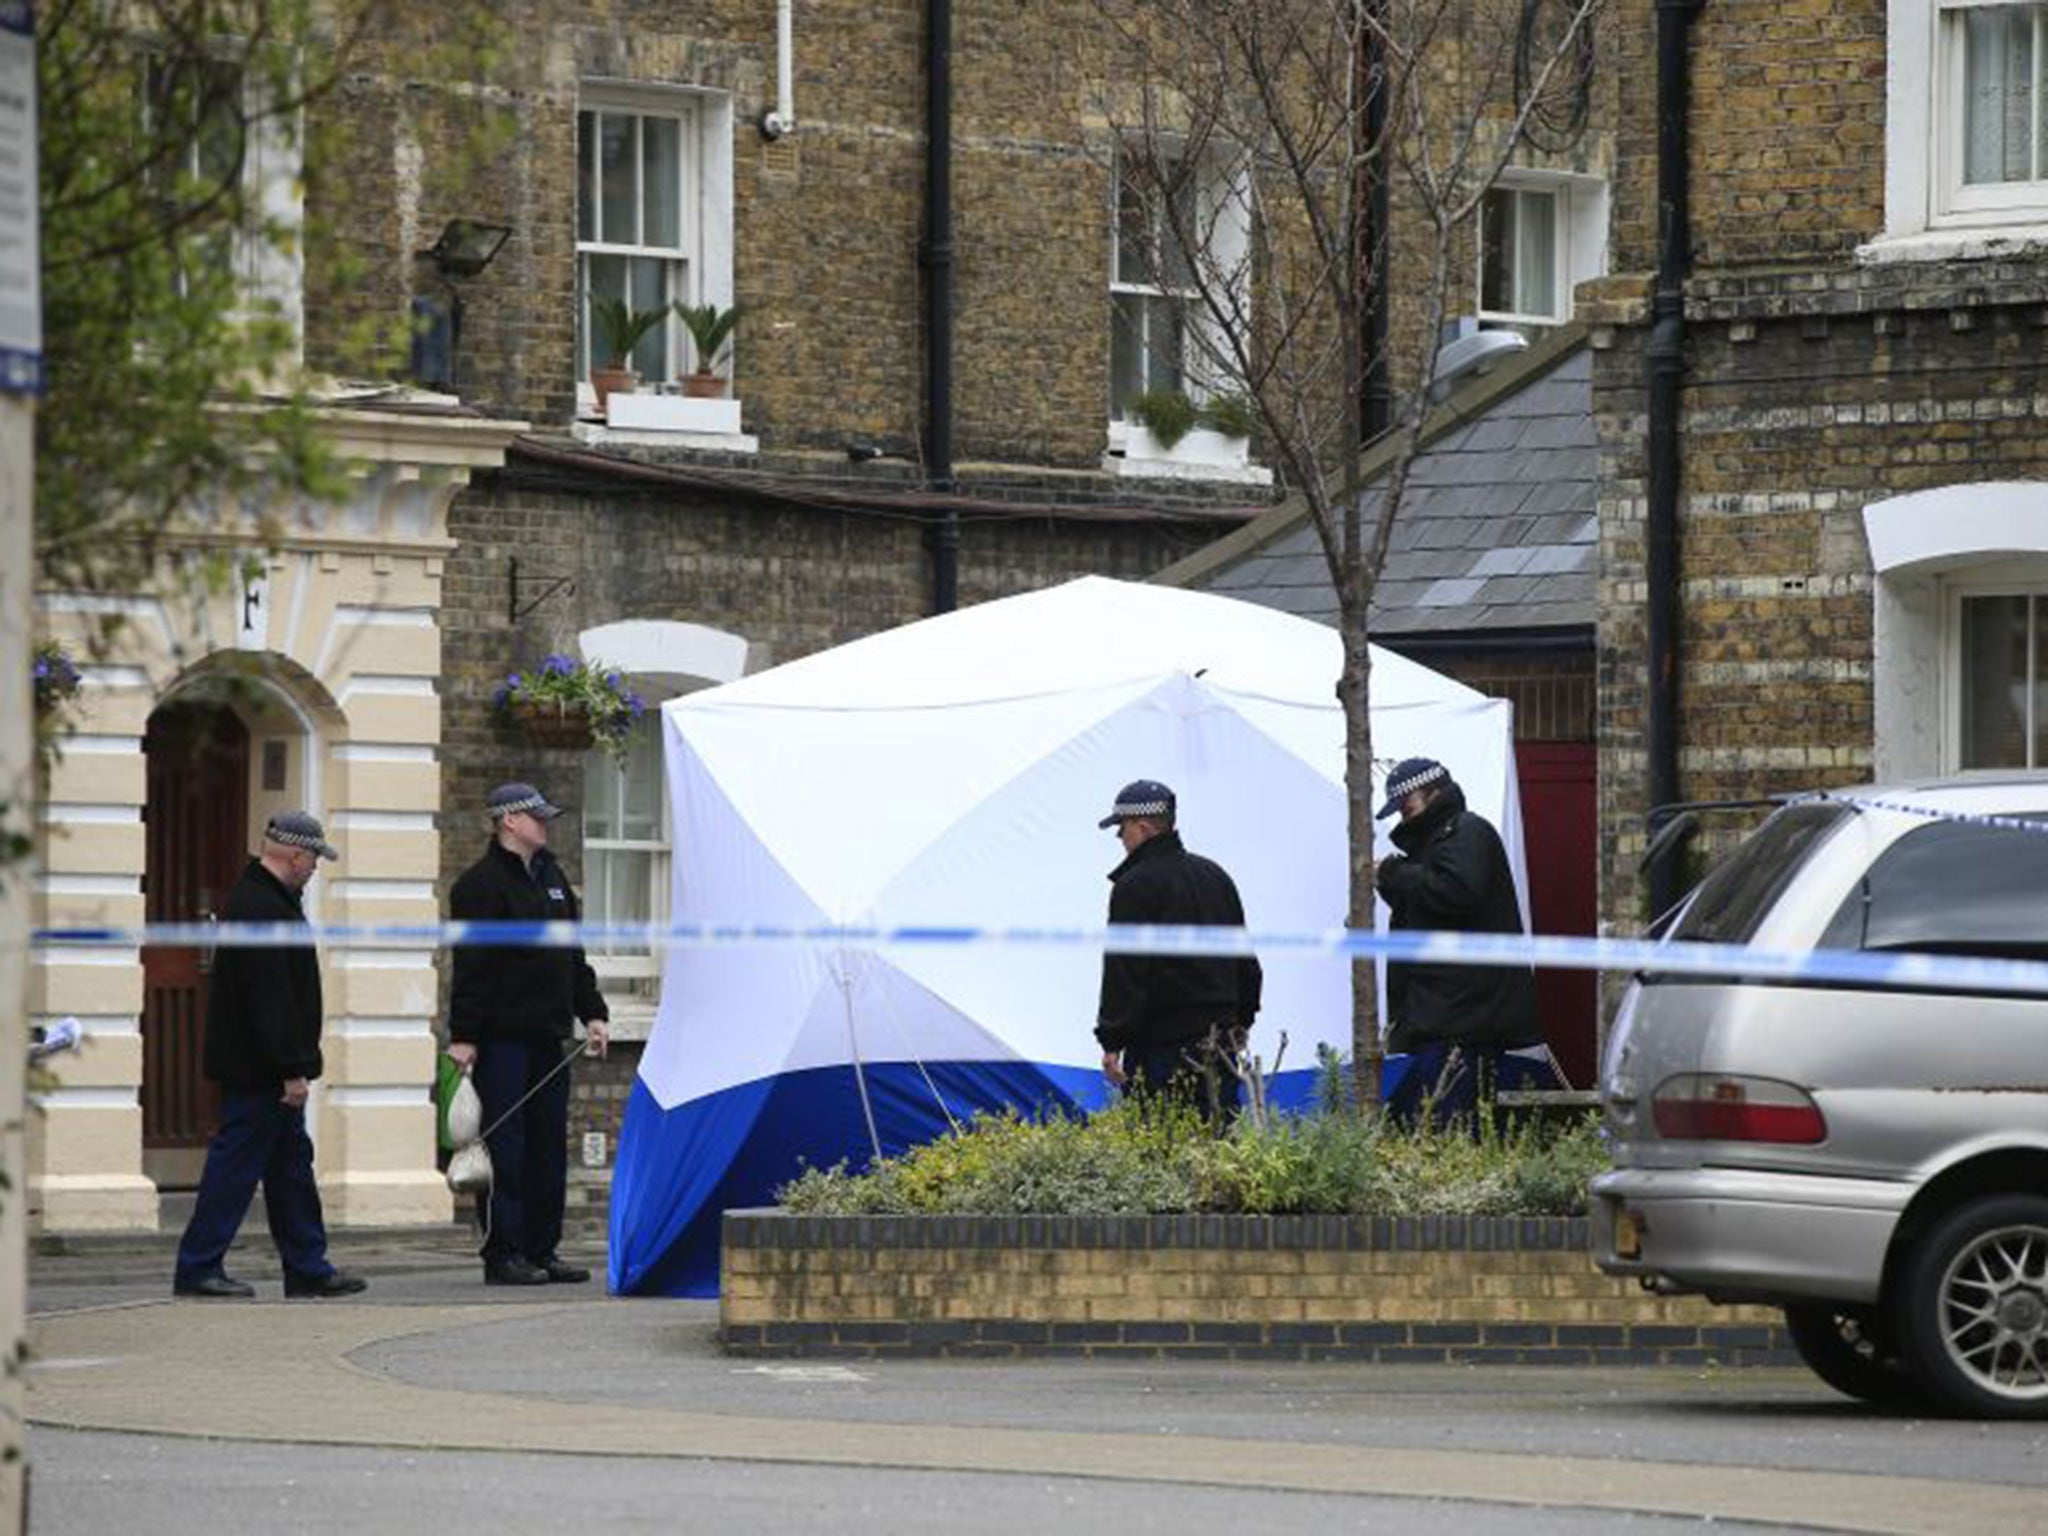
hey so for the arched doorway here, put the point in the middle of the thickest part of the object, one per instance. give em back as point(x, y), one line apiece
point(197, 842)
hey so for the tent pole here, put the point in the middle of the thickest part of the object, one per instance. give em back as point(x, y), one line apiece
point(860, 1074)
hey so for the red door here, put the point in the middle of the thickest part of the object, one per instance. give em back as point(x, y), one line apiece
point(198, 842)
point(1560, 810)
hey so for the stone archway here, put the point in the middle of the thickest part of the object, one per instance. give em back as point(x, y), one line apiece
point(195, 820)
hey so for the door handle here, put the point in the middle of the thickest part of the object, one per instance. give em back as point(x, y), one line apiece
point(212, 919)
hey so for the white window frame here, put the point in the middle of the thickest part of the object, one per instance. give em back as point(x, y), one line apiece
point(704, 205)
point(1222, 205)
point(2028, 580)
point(1928, 213)
point(1580, 233)
point(631, 967)
point(1956, 202)
point(270, 271)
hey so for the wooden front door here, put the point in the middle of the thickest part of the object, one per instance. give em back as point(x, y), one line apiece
point(1560, 821)
point(198, 843)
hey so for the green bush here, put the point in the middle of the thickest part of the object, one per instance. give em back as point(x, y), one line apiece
point(1135, 1159)
point(1167, 414)
point(1232, 415)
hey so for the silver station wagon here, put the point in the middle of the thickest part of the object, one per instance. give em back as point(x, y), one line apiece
point(1871, 1157)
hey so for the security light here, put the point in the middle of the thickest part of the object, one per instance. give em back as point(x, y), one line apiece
point(466, 246)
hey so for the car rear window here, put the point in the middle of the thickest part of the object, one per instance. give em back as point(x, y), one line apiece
point(1733, 899)
point(1954, 887)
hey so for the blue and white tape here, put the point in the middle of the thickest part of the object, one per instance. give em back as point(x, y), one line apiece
point(1566, 952)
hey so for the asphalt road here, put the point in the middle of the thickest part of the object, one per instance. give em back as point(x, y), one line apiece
point(438, 1405)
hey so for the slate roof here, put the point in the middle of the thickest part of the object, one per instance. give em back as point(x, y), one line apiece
point(1498, 530)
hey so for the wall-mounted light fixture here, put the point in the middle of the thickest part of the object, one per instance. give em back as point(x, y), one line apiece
point(465, 247)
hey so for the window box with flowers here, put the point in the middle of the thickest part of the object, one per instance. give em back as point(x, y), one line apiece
point(572, 705)
point(57, 679)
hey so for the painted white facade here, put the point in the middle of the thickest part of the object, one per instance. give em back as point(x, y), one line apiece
point(328, 649)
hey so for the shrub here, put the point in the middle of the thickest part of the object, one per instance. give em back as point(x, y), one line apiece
point(1232, 415)
point(1166, 413)
point(1135, 1158)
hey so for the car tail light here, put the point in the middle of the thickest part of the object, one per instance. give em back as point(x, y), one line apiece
point(1705, 1106)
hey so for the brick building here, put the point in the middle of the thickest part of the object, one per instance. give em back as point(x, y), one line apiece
point(655, 154)
point(1862, 508)
point(504, 515)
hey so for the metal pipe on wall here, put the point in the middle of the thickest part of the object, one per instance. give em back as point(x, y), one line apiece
point(944, 538)
point(1664, 362)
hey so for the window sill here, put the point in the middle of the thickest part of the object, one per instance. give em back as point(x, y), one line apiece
point(1974, 243)
point(1200, 455)
point(670, 421)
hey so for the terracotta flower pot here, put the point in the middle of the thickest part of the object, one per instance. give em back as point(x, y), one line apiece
point(605, 380)
point(704, 385)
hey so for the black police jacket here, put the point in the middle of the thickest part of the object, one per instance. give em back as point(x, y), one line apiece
point(1455, 876)
point(507, 993)
point(1160, 1000)
point(262, 1005)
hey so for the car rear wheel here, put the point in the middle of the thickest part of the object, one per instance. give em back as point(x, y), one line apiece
point(1974, 1309)
point(1848, 1349)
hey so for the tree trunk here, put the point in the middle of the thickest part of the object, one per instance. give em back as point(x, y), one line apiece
point(1355, 689)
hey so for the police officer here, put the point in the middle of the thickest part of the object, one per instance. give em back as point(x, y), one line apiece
point(509, 1013)
point(263, 1014)
point(1172, 1024)
point(1467, 1029)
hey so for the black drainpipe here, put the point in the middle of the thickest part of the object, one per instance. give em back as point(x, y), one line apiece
point(1666, 368)
point(937, 256)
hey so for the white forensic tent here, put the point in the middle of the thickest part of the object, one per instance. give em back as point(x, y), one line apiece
point(951, 773)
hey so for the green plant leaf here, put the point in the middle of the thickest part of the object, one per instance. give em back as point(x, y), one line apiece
point(1232, 415)
point(620, 327)
point(710, 330)
point(1166, 413)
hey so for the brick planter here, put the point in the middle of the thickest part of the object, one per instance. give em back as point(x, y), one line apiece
point(1434, 1289)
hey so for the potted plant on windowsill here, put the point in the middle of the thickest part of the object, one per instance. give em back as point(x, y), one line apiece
point(710, 331)
point(571, 705)
point(620, 328)
point(1170, 431)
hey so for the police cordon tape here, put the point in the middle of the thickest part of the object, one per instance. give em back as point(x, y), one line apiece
point(1926, 972)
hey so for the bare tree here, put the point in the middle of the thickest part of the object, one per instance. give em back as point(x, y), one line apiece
point(1282, 164)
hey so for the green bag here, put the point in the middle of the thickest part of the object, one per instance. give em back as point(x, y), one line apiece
point(447, 1078)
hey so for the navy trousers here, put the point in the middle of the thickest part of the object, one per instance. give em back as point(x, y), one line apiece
point(1449, 1083)
point(529, 1152)
point(260, 1141)
point(1191, 1072)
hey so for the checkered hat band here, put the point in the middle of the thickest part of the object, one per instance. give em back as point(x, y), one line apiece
point(295, 839)
point(530, 803)
point(1143, 808)
point(1401, 788)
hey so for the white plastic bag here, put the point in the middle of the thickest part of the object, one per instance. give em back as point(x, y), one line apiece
point(469, 1170)
point(465, 1114)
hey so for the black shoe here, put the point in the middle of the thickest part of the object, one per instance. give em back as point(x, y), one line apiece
point(514, 1272)
point(336, 1282)
point(559, 1273)
point(213, 1288)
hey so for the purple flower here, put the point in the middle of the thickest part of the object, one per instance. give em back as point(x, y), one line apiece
point(558, 666)
point(611, 681)
point(42, 668)
point(636, 704)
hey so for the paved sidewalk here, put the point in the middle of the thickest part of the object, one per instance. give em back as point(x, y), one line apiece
point(430, 1359)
